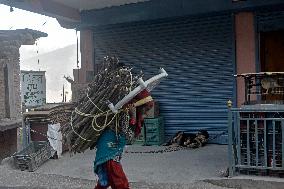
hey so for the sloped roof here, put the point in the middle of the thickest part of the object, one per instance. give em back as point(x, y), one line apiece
point(24, 36)
point(11, 40)
point(95, 4)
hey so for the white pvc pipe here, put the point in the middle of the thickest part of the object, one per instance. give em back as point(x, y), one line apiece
point(142, 85)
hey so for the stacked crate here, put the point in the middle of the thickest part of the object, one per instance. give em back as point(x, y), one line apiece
point(154, 131)
point(140, 139)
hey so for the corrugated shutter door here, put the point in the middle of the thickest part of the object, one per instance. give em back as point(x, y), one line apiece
point(196, 53)
point(270, 20)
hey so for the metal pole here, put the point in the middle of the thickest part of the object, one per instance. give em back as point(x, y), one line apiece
point(230, 139)
point(63, 93)
point(248, 143)
point(238, 123)
point(24, 135)
point(256, 143)
point(282, 152)
point(265, 143)
point(274, 145)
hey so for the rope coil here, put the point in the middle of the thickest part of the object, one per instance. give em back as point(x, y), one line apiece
point(96, 127)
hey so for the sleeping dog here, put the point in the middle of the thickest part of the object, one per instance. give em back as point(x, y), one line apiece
point(189, 140)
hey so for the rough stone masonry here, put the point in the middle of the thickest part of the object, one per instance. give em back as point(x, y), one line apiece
point(10, 99)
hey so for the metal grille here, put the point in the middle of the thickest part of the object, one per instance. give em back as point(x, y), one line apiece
point(257, 138)
point(197, 54)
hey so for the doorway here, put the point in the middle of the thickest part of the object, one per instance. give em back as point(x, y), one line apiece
point(272, 60)
point(272, 51)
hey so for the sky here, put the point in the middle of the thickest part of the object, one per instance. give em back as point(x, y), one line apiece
point(58, 38)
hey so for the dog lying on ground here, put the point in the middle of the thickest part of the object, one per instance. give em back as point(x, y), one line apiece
point(189, 140)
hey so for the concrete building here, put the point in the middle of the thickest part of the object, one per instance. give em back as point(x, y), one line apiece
point(201, 44)
point(10, 99)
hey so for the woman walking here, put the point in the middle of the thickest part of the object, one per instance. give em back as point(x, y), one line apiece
point(111, 143)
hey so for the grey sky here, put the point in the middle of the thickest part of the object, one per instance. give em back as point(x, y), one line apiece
point(58, 38)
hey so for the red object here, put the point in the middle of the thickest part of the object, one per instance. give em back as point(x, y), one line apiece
point(132, 121)
point(140, 110)
point(116, 176)
point(142, 94)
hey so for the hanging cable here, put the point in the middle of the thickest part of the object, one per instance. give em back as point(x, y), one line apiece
point(37, 51)
point(37, 54)
point(77, 54)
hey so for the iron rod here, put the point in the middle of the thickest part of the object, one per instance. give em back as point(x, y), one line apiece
point(230, 143)
point(248, 147)
point(273, 157)
point(282, 134)
point(256, 143)
point(239, 140)
point(265, 144)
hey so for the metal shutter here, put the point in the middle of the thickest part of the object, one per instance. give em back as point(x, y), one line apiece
point(270, 20)
point(197, 54)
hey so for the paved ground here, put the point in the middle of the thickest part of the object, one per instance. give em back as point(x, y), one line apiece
point(190, 169)
point(174, 167)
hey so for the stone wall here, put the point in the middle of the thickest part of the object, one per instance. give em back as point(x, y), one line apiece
point(10, 42)
point(16, 73)
point(10, 98)
point(10, 58)
point(8, 143)
point(2, 90)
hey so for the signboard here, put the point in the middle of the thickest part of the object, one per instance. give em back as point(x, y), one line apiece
point(33, 88)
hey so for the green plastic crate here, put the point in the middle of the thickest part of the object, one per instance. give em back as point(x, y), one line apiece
point(140, 139)
point(155, 132)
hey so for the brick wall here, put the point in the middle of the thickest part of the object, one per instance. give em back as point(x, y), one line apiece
point(8, 143)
